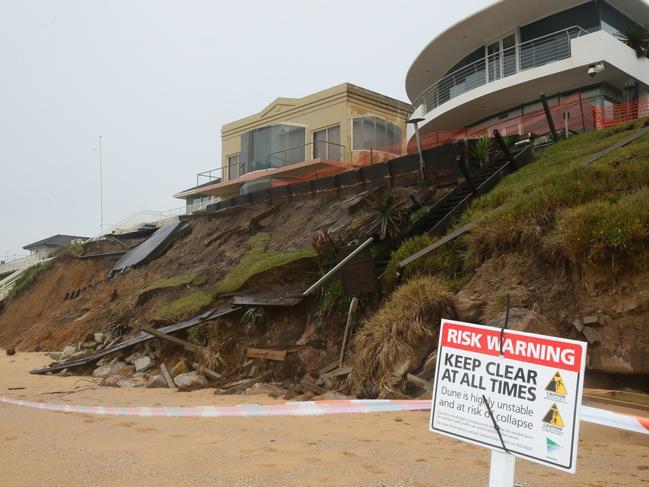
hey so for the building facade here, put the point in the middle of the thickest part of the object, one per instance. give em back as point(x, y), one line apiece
point(488, 70)
point(297, 139)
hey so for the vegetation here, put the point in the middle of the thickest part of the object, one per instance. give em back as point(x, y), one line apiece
point(28, 278)
point(525, 206)
point(333, 302)
point(259, 259)
point(481, 150)
point(401, 333)
point(255, 316)
point(388, 218)
point(195, 279)
point(637, 38)
point(186, 306)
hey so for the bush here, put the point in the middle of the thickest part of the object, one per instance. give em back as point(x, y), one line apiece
point(398, 337)
point(602, 230)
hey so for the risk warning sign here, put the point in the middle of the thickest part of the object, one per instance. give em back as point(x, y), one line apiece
point(532, 384)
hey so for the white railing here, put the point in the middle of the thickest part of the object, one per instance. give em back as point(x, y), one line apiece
point(531, 54)
point(16, 263)
point(7, 284)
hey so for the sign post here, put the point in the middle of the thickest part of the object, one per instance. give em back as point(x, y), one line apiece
point(517, 393)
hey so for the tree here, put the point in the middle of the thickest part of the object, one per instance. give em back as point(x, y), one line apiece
point(637, 38)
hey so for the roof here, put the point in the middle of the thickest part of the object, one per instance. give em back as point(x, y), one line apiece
point(54, 241)
point(497, 19)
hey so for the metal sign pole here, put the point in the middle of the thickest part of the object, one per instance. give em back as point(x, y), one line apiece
point(501, 471)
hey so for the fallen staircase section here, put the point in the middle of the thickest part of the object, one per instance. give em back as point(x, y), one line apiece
point(139, 338)
point(151, 248)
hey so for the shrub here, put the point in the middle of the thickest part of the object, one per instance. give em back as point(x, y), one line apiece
point(602, 230)
point(399, 336)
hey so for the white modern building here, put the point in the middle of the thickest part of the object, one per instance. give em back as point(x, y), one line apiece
point(488, 70)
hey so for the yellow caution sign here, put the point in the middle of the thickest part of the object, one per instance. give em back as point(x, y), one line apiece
point(553, 417)
point(557, 386)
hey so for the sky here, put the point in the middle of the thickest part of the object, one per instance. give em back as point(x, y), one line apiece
point(156, 79)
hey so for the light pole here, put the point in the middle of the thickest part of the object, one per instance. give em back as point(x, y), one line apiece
point(101, 191)
point(422, 165)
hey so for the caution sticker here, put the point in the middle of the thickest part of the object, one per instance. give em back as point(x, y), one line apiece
point(532, 385)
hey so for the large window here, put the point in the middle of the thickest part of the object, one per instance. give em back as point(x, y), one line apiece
point(376, 133)
point(274, 146)
point(326, 144)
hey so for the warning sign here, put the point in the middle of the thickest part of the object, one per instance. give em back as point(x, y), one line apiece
point(532, 385)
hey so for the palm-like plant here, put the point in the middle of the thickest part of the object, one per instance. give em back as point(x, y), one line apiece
point(481, 150)
point(388, 218)
point(637, 38)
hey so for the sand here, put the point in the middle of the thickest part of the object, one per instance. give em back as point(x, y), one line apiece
point(393, 449)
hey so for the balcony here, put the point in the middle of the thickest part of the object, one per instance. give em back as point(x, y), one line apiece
point(507, 62)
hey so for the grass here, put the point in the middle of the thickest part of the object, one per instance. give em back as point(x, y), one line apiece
point(195, 279)
point(445, 263)
point(186, 306)
point(259, 259)
point(526, 205)
point(401, 333)
point(28, 278)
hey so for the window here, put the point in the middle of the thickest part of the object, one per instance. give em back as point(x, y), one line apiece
point(233, 167)
point(376, 133)
point(326, 144)
point(273, 146)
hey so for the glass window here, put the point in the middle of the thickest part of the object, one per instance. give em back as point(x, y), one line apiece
point(375, 133)
point(270, 147)
point(233, 167)
point(326, 144)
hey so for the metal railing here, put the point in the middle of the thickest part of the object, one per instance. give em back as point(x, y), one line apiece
point(531, 54)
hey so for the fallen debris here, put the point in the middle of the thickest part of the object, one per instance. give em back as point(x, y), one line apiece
point(269, 354)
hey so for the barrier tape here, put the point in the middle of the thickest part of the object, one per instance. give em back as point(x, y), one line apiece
point(602, 417)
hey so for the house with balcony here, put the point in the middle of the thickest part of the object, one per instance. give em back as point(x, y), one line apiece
point(297, 139)
point(487, 71)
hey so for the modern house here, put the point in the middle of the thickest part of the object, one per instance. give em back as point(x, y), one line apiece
point(297, 139)
point(45, 248)
point(488, 70)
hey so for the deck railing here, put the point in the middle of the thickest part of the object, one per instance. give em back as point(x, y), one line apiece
point(531, 54)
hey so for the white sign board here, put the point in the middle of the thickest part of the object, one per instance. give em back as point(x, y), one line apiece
point(534, 390)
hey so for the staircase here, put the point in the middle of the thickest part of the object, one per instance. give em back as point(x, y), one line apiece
point(7, 284)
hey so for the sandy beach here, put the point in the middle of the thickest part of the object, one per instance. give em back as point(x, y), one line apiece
point(393, 449)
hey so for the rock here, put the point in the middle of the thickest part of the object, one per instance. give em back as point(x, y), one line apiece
point(67, 352)
point(578, 325)
point(110, 369)
point(468, 309)
point(180, 368)
point(99, 337)
point(591, 334)
point(64, 373)
point(133, 357)
point(265, 389)
point(143, 363)
point(110, 381)
point(128, 383)
point(190, 381)
point(87, 345)
point(156, 381)
point(591, 320)
point(56, 356)
point(11, 351)
point(308, 396)
point(526, 320)
point(332, 396)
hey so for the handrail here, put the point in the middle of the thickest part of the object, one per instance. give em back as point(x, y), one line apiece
point(482, 65)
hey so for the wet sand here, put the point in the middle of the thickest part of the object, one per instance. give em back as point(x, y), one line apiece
point(393, 449)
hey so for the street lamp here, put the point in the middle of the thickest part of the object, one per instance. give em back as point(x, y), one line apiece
point(422, 166)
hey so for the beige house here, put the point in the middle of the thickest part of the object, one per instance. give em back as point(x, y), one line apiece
point(297, 139)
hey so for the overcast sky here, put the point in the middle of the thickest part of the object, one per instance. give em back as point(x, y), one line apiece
point(157, 79)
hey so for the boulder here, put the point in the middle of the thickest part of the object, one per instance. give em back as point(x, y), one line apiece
point(180, 368)
point(591, 334)
point(109, 369)
point(129, 383)
point(265, 389)
point(133, 357)
point(99, 337)
point(56, 356)
point(143, 363)
point(110, 381)
point(11, 351)
point(67, 352)
point(190, 381)
point(156, 381)
point(526, 320)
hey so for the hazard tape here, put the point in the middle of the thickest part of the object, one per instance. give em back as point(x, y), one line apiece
point(309, 408)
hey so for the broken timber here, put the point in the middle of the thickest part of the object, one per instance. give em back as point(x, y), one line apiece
point(419, 382)
point(163, 336)
point(595, 157)
point(276, 355)
point(282, 301)
point(313, 388)
point(167, 376)
point(435, 245)
point(137, 339)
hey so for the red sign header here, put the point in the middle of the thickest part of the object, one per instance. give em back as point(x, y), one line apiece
point(522, 347)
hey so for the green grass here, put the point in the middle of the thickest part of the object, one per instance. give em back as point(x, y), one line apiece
point(259, 259)
point(195, 279)
point(524, 207)
point(184, 307)
point(28, 278)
